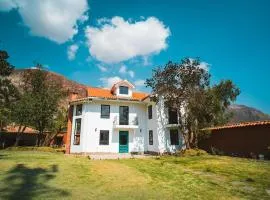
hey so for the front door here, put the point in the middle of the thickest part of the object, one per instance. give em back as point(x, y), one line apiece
point(123, 141)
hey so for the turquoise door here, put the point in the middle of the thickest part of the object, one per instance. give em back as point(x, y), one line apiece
point(123, 141)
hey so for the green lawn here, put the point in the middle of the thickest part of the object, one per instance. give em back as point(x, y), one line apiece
point(38, 175)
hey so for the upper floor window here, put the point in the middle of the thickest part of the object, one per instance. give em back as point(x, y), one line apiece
point(150, 137)
point(123, 90)
point(79, 110)
point(150, 112)
point(174, 137)
point(173, 116)
point(105, 111)
point(104, 137)
point(77, 131)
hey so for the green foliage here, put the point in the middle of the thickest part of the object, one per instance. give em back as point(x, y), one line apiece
point(8, 92)
point(192, 152)
point(185, 86)
point(43, 97)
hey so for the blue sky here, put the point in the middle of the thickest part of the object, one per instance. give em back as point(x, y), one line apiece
point(109, 40)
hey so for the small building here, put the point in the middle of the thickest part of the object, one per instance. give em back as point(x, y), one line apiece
point(121, 120)
point(247, 139)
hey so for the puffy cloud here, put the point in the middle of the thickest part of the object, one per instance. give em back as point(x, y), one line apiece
point(72, 50)
point(203, 65)
point(55, 20)
point(123, 70)
point(139, 83)
point(108, 82)
point(102, 68)
point(117, 40)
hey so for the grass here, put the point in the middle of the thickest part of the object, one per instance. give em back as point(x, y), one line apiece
point(45, 175)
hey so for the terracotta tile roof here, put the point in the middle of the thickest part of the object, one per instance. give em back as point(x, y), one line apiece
point(238, 125)
point(14, 129)
point(106, 93)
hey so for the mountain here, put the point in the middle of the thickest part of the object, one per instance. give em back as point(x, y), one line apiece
point(68, 85)
point(242, 113)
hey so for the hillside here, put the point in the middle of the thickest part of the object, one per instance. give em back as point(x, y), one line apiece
point(68, 85)
point(241, 113)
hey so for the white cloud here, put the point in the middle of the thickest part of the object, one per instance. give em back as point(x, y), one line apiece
point(72, 50)
point(102, 68)
point(203, 65)
point(7, 5)
point(139, 83)
point(123, 70)
point(117, 40)
point(53, 19)
point(108, 82)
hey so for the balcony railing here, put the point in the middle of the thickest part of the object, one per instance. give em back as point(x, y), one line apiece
point(133, 121)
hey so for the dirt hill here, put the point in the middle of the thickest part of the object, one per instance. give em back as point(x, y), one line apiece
point(68, 85)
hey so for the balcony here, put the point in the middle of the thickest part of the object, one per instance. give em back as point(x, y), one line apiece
point(131, 123)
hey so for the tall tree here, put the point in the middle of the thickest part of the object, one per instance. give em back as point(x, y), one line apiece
point(58, 125)
point(44, 98)
point(186, 87)
point(8, 92)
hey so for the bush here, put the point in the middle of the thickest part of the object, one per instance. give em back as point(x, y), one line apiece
point(192, 152)
point(215, 151)
point(44, 149)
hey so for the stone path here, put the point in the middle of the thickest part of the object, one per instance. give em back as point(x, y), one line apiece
point(108, 156)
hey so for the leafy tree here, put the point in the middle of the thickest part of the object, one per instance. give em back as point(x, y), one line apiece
point(21, 115)
point(44, 97)
point(186, 88)
point(58, 125)
point(8, 92)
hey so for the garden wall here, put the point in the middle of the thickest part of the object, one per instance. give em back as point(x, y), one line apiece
point(239, 141)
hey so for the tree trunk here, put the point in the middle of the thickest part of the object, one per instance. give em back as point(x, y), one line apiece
point(49, 138)
point(19, 135)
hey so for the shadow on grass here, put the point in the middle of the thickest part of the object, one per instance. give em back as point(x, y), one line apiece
point(30, 183)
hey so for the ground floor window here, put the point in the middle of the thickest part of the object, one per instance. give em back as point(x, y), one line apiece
point(150, 137)
point(104, 137)
point(174, 137)
point(77, 131)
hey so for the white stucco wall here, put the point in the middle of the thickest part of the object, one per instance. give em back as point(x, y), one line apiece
point(92, 123)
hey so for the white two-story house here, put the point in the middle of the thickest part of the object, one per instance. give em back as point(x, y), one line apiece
point(121, 120)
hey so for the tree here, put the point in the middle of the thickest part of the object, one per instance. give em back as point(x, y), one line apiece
point(44, 97)
point(186, 88)
point(58, 125)
point(8, 92)
point(21, 115)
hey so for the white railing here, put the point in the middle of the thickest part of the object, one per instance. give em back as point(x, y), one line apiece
point(132, 121)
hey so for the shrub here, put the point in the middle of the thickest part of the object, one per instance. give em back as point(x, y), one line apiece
point(192, 152)
point(44, 149)
point(216, 151)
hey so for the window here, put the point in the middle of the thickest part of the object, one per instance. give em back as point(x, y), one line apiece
point(174, 137)
point(77, 131)
point(123, 90)
point(173, 116)
point(79, 110)
point(123, 115)
point(150, 137)
point(150, 112)
point(105, 111)
point(104, 137)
